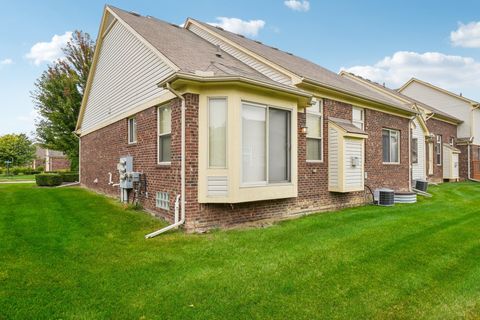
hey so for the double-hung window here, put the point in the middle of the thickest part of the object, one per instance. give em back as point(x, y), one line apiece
point(358, 117)
point(217, 132)
point(315, 132)
point(391, 146)
point(438, 150)
point(164, 134)
point(414, 150)
point(266, 144)
point(132, 130)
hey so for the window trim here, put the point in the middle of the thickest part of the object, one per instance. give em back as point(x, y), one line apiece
point(321, 138)
point(129, 126)
point(266, 183)
point(362, 121)
point(208, 132)
point(390, 149)
point(159, 135)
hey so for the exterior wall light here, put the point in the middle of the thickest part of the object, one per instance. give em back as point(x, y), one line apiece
point(304, 129)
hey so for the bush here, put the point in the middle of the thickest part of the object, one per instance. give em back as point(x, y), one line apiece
point(1, 170)
point(16, 171)
point(30, 171)
point(69, 176)
point(48, 180)
point(40, 169)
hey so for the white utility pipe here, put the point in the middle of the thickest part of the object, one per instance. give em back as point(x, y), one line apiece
point(410, 166)
point(176, 224)
point(468, 160)
point(110, 181)
point(182, 167)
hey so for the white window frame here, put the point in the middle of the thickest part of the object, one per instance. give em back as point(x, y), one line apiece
point(162, 200)
point(361, 122)
point(438, 151)
point(208, 132)
point(266, 182)
point(318, 114)
point(163, 134)
point(132, 127)
point(390, 147)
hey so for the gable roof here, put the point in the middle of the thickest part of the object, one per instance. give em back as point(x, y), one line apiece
point(401, 96)
point(427, 84)
point(347, 125)
point(305, 69)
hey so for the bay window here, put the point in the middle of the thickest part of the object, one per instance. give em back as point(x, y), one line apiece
point(315, 132)
point(164, 134)
point(266, 139)
point(414, 150)
point(358, 117)
point(391, 146)
point(217, 132)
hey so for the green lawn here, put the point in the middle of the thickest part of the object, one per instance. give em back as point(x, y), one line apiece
point(4, 177)
point(68, 253)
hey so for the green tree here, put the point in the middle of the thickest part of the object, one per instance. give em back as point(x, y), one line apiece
point(58, 95)
point(17, 148)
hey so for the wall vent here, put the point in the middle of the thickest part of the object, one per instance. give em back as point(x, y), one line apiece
point(217, 186)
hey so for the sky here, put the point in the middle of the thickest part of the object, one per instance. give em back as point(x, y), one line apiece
point(385, 41)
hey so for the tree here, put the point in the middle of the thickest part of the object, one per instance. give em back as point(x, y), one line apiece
point(17, 148)
point(58, 95)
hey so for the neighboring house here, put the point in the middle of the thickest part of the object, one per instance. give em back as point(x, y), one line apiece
point(468, 132)
point(239, 130)
point(50, 160)
point(433, 136)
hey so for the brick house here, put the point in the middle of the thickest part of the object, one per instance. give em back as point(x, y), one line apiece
point(468, 131)
point(50, 160)
point(236, 130)
point(433, 137)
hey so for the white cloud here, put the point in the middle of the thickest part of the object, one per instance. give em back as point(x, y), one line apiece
point(297, 5)
point(5, 62)
point(467, 35)
point(246, 28)
point(49, 51)
point(455, 73)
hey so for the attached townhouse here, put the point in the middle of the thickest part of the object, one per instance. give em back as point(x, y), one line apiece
point(230, 130)
point(468, 132)
point(434, 154)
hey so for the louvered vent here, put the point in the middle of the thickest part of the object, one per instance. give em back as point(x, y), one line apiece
point(217, 186)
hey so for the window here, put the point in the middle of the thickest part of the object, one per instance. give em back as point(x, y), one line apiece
point(164, 134)
point(132, 130)
point(438, 150)
point(315, 132)
point(391, 146)
point(266, 137)
point(358, 117)
point(217, 132)
point(414, 150)
point(162, 200)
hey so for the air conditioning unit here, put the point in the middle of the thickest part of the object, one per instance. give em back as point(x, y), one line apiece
point(384, 197)
point(421, 185)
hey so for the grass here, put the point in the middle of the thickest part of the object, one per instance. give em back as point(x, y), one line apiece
point(68, 253)
point(20, 177)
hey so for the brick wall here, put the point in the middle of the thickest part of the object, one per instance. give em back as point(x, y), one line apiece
point(59, 163)
point(463, 159)
point(101, 150)
point(447, 131)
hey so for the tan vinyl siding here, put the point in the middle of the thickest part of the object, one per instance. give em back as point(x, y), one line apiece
point(253, 63)
point(353, 175)
point(126, 76)
point(333, 145)
point(419, 168)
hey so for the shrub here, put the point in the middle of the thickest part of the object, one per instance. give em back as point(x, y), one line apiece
point(48, 179)
point(30, 171)
point(16, 171)
point(1, 170)
point(40, 169)
point(69, 176)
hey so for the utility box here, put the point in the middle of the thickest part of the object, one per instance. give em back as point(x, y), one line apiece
point(125, 168)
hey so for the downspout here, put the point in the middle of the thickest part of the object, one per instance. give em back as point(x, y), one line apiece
point(410, 167)
point(177, 222)
point(472, 135)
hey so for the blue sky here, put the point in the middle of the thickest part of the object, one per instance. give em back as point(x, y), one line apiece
point(386, 41)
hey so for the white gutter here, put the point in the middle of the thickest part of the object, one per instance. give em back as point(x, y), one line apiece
point(177, 222)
